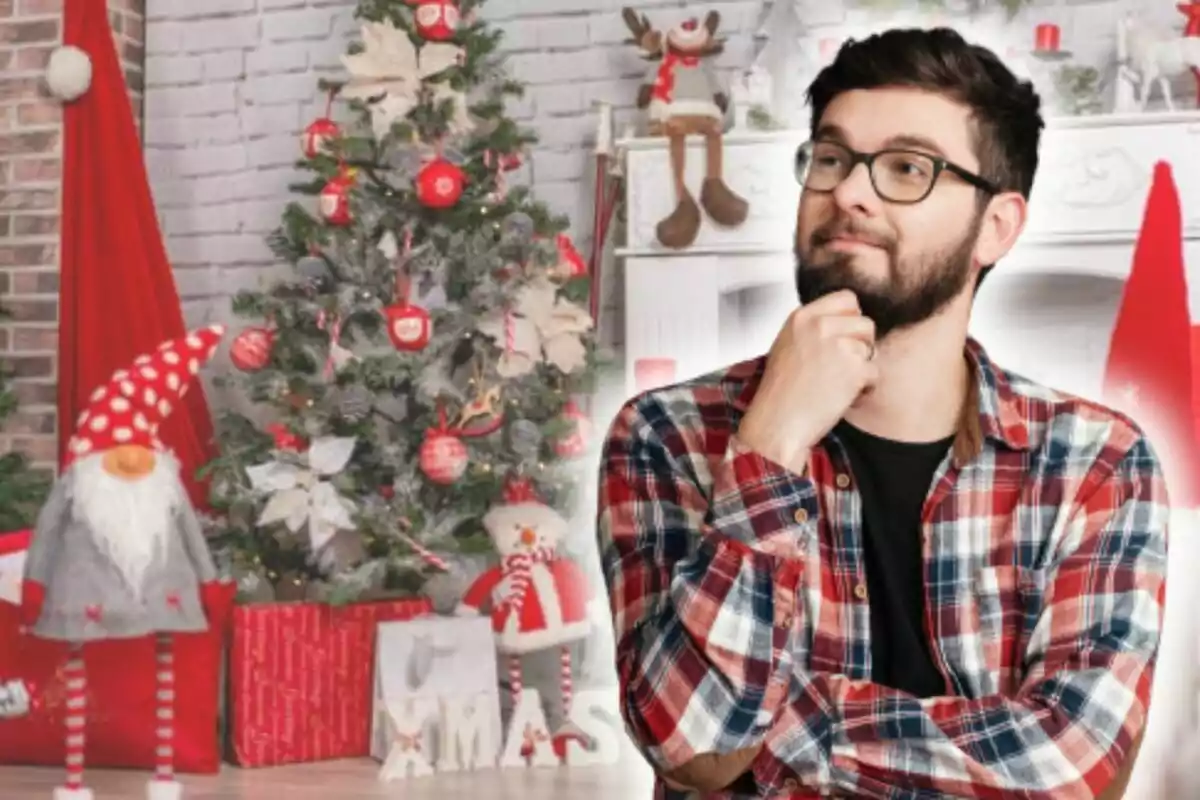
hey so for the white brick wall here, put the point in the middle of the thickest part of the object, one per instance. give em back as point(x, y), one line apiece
point(230, 84)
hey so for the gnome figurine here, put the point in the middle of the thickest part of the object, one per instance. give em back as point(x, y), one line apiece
point(118, 551)
point(537, 597)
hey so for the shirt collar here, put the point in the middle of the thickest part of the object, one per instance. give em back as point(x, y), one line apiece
point(994, 410)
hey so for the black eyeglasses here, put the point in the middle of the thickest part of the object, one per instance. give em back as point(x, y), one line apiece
point(899, 176)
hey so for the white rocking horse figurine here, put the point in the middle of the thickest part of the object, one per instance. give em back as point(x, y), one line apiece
point(1149, 55)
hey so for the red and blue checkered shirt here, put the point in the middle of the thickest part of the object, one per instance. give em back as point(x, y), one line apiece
point(741, 612)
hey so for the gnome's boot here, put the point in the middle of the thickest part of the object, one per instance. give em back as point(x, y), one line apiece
point(76, 727)
point(163, 785)
point(682, 226)
point(723, 205)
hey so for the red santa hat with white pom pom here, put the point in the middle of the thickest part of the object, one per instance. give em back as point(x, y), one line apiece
point(129, 409)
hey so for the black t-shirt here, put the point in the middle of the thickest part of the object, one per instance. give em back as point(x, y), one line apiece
point(894, 479)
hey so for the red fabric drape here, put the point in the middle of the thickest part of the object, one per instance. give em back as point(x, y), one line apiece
point(118, 297)
point(1149, 368)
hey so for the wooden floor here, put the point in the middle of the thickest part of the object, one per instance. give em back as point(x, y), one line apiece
point(352, 780)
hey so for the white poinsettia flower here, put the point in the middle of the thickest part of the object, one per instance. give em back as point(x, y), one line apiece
point(390, 71)
point(300, 496)
point(541, 326)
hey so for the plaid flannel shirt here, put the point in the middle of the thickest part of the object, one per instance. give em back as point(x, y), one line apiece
point(741, 613)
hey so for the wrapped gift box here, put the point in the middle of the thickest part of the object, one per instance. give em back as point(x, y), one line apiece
point(300, 679)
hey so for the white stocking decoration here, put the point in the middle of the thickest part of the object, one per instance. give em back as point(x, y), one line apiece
point(407, 756)
point(528, 734)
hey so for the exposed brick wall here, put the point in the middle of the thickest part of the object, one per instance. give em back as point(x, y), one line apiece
point(30, 196)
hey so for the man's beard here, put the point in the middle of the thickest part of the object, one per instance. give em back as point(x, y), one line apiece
point(129, 520)
point(914, 289)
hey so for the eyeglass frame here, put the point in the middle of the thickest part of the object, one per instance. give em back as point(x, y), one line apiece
point(857, 157)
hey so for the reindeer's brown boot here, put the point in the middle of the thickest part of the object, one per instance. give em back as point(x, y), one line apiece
point(682, 226)
point(724, 205)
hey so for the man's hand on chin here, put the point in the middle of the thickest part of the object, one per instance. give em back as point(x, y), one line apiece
point(712, 772)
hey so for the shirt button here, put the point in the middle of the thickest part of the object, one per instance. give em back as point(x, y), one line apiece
point(801, 516)
point(843, 481)
point(860, 591)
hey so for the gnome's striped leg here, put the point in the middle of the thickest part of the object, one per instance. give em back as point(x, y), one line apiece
point(76, 721)
point(164, 786)
point(164, 750)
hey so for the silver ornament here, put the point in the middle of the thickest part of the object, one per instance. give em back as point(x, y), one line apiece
point(525, 438)
point(517, 226)
point(355, 402)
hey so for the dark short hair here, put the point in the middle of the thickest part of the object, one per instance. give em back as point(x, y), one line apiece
point(1004, 108)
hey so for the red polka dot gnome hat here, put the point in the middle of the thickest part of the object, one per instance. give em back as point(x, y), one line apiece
point(129, 409)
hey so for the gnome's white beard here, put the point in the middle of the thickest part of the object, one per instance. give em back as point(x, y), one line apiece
point(129, 520)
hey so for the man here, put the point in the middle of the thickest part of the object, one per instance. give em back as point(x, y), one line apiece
point(873, 563)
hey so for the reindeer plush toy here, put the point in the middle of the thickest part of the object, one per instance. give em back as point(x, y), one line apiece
point(684, 99)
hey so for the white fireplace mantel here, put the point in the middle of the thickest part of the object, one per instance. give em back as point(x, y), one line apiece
point(1046, 312)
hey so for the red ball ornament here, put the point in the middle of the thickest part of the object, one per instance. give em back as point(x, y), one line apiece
point(335, 199)
point(318, 135)
point(440, 184)
point(409, 326)
point(251, 350)
point(443, 456)
point(436, 20)
point(575, 442)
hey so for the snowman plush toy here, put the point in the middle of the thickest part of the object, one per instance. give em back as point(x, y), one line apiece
point(536, 596)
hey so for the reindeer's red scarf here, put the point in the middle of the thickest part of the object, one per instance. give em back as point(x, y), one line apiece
point(664, 83)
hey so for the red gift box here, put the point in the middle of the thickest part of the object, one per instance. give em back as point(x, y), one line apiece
point(300, 679)
point(121, 715)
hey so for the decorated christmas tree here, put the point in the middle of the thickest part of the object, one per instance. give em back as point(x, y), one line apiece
point(432, 352)
point(22, 488)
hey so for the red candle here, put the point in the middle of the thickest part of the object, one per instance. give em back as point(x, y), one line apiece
point(651, 373)
point(1046, 38)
